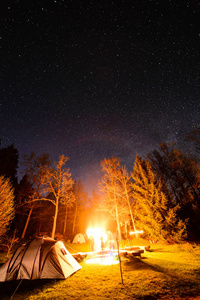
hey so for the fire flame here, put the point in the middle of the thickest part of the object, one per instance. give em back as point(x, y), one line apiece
point(136, 232)
point(99, 235)
point(101, 254)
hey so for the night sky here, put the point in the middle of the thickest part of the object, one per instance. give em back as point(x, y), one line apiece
point(95, 79)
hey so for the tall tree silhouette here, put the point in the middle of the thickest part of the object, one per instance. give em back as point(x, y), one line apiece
point(155, 214)
point(9, 159)
point(180, 175)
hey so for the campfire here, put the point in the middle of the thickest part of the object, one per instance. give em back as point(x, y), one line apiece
point(103, 246)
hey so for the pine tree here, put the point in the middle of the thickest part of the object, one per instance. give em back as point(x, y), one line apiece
point(9, 158)
point(7, 209)
point(179, 173)
point(155, 214)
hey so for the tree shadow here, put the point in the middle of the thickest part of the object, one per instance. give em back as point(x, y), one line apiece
point(157, 250)
point(137, 264)
point(178, 281)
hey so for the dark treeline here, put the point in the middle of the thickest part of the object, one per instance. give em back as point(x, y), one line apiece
point(160, 196)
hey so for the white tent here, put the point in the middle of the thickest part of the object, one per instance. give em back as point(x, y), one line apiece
point(79, 238)
point(42, 258)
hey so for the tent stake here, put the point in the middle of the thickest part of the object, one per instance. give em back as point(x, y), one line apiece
point(16, 289)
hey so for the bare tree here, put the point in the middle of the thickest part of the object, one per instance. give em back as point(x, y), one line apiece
point(58, 183)
point(35, 167)
point(126, 192)
point(110, 186)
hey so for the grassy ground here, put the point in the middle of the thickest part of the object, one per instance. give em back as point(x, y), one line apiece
point(164, 272)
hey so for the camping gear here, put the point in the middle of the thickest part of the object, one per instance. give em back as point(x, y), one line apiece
point(79, 238)
point(41, 258)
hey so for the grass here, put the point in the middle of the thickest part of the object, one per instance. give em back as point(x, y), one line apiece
point(164, 272)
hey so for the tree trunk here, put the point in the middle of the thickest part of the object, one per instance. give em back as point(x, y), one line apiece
point(117, 219)
point(130, 210)
point(136, 235)
point(55, 219)
point(39, 229)
point(132, 219)
point(27, 221)
point(65, 221)
point(74, 221)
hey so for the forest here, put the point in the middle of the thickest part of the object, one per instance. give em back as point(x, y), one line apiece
point(160, 197)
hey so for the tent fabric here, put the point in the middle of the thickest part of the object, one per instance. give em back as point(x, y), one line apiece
point(42, 258)
point(79, 238)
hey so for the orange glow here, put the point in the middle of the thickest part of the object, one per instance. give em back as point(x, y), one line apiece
point(136, 232)
point(99, 235)
point(102, 261)
point(102, 251)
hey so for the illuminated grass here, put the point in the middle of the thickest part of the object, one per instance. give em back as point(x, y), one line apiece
point(164, 272)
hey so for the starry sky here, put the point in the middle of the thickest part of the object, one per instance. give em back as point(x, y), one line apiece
point(95, 79)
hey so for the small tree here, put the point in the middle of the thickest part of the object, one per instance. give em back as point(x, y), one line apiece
point(6, 205)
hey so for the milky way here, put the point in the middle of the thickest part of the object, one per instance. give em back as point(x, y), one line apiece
point(95, 80)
